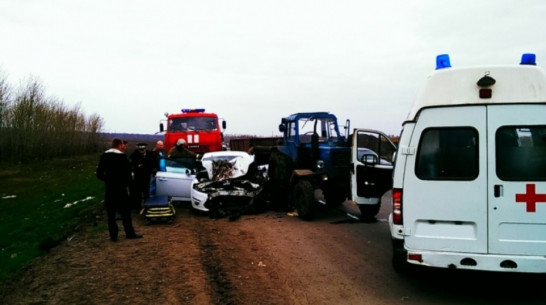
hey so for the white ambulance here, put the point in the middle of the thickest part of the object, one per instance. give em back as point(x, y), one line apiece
point(469, 183)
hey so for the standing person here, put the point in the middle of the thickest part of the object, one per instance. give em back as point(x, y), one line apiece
point(115, 170)
point(181, 150)
point(183, 155)
point(159, 155)
point(158, 152)
point(142, 165)
point(124, 147)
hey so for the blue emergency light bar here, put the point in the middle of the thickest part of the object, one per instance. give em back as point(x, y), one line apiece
point(528, 59)
point(442, 61)
point(187, 110)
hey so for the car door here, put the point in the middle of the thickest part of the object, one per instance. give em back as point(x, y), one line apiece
point(372, 154)
point(176, 180)
point(517, 179)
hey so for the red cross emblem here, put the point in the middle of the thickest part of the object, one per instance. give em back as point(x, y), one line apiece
point(531, 198)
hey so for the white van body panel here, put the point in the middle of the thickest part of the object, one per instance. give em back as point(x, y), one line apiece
point(457, 86)
point(489, 218)
point(515, 227)
point(442, 220)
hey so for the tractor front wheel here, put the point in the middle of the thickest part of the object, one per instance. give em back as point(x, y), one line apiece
point(304, 199)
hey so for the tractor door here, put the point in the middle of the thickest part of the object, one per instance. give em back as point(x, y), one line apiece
point(372, 163)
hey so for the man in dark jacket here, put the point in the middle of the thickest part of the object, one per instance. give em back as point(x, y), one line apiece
point(158, 153)
point(180, 150)
point(183, 155)
point(115, 170)
point(142, 165)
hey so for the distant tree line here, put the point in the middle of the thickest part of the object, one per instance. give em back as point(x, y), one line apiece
point(35, 126)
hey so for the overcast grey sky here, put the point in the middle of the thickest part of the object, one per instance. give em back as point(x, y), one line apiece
point(253, 61)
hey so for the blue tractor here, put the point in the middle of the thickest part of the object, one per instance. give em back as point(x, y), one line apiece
point(317, 164)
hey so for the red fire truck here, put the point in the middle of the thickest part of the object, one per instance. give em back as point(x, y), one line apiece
point(200, 129)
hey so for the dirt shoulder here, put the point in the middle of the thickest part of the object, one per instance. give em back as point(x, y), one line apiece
point(269, 258)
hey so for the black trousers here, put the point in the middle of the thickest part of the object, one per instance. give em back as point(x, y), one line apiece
point(117, 201)
point(140, 190)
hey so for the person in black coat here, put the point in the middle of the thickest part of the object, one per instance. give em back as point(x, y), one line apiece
point(142, 165)
point(115, 170)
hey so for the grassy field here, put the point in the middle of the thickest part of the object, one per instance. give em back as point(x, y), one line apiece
point(42, 204)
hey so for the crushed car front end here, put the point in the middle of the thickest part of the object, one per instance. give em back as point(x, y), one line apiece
point(232, 183)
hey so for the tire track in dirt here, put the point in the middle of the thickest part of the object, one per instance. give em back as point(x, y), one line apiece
point(221, 288)
point(249, 271)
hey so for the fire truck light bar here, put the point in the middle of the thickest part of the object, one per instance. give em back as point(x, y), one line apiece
point(187, 110)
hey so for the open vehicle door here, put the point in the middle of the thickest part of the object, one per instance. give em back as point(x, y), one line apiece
point(176, 181)
point(372, 163)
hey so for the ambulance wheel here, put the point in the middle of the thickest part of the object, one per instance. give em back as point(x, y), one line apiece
point(304, 199)
point(336, 199)
point(335, 194)
point(399, 257)
point(368, 211)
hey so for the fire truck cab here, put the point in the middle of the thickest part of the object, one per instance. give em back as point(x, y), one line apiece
point(201, 130)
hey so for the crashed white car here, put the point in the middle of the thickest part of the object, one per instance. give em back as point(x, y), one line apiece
point(176, 178)
point(229, 180)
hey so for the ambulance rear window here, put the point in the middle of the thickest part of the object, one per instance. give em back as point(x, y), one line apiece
point(521, 153)
point(448, 154)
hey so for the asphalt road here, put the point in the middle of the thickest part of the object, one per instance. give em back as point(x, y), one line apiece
point(441, 286)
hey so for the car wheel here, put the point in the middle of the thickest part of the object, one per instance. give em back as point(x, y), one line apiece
point(304, 199)
point(279, 171)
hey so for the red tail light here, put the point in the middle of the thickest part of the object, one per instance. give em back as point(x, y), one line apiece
point(486, 93)
point(397, 207)
point(415, 257)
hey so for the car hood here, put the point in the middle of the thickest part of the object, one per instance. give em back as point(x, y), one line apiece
point(219, 170)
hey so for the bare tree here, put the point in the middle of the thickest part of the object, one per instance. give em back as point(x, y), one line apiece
point(34, 126)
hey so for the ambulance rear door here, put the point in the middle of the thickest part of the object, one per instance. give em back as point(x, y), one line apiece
point(444, 198)
point(517, 179)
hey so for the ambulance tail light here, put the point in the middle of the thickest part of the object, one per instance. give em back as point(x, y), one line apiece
point(486, 93)
point(415, 257)
point(397, 207)
point(486, 83)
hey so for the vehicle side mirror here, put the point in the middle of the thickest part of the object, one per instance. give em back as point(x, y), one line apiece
point(282, 128)
point(224, 124)
point(161, 127)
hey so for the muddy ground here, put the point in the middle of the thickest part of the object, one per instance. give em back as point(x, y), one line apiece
point(268, 258)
